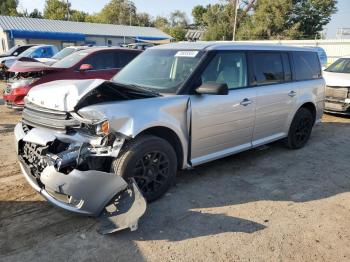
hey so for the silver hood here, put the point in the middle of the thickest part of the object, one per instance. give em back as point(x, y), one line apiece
point(62, 95)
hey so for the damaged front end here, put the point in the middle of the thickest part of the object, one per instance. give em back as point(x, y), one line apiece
point(72, 169)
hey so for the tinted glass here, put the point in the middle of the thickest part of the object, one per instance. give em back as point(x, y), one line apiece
point(100, 61)
point(160, 70)
point(268, 68)
point(28, 52)
point(307, 65)
point(342, 65)
point(21, 49)
point(229, 68)
point(124, 58)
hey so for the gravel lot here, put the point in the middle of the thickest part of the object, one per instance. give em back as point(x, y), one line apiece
point(268, 204)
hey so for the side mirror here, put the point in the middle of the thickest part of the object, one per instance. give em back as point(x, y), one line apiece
point(213, 88)
point(85, 67)
point(15, 54)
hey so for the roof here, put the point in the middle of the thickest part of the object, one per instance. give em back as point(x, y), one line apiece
point(230, 46)
point(98, 49)
point(8, 23)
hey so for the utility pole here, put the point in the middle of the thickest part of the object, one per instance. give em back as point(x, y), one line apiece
point(235, 2)
point(68, 10)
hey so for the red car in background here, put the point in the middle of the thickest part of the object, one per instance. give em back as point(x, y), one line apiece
point(101, 63)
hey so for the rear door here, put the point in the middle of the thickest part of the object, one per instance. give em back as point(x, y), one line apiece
point(276, 95)
point(223, 124)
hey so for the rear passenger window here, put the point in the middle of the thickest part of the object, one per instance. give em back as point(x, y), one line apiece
point(307, 65)
point(229, 68)
point(268, 68)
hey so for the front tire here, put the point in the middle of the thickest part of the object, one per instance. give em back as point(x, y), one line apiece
point(151, 161)
point(300, 129)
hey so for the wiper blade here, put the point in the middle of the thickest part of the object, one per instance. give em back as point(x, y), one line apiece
point(140, 88)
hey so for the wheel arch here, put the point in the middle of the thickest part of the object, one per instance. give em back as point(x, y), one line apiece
point(311, 107)
point(171, 137)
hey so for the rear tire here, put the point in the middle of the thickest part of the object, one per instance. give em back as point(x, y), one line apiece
point(151, 161)
point(300, 129)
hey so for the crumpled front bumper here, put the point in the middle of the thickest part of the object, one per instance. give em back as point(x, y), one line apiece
point(85, 192)
point(338, 106)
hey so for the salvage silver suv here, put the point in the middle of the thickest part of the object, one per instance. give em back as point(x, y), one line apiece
point(83, 144)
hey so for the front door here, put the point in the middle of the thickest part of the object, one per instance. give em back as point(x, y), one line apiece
point(223, 124)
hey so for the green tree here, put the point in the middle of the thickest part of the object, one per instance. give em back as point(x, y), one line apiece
point(8, 7)
point(143, 19)
point(121, 12)
point(218, 21)
point(35, 14)
point(77, 16)
point(56, 10)
point(178, 18)
point(161, 22)
point(198, 14)
point(287, 19)
point(312, 16)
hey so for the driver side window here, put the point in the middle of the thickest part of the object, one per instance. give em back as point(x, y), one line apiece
point(227, 67)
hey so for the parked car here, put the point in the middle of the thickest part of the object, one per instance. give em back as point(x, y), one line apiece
point(323, 56)
point(34, 52)
point(102, 63)
point(337, 77)
point(16, 50)
point(173, 107)
point(31, 54)
point(13, 52)
point(62, 54)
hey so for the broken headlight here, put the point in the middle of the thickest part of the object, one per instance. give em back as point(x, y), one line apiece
point(99, 129)
point(102, 128)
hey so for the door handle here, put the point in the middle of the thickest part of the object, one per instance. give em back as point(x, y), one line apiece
point(245, 102)
point(292, 93)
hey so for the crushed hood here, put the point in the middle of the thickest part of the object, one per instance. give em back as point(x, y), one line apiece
point(27, 67)
point(62, 95)
point(71, 95)
point(336, 79)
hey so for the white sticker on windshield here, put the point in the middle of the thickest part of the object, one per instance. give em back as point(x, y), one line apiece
point(186, 54)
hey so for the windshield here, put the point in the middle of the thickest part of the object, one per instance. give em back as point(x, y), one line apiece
point(342, 65)
point(159, 70)
point(28, 52)
point(63, 53)
point(70, 60)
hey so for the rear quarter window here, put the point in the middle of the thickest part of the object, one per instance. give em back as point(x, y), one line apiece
point(306, 65)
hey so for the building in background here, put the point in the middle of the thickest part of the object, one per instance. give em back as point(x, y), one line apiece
point(22, 30)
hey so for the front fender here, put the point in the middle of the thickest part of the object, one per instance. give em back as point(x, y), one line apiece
point(132, 117)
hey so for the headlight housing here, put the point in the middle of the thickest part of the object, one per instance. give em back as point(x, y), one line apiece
point(102, 128)
point(96, 129)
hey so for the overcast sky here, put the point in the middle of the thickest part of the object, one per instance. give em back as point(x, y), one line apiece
point(164, 7)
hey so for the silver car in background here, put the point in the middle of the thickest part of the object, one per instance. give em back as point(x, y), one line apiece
point(337, 77)
point(101, 148)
